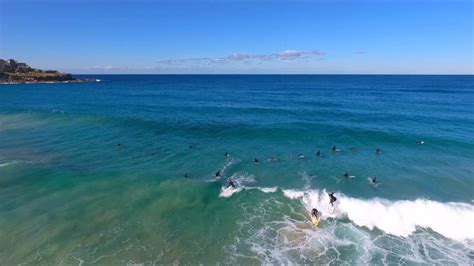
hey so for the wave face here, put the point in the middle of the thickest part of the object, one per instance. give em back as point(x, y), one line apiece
point(123, 171)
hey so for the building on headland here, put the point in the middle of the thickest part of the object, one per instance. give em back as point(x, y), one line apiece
point(3, 64)
point(11, 65)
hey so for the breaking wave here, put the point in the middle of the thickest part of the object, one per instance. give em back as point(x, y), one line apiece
point(399, 218)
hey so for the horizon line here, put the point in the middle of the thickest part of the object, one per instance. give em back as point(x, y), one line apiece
point(275, 74)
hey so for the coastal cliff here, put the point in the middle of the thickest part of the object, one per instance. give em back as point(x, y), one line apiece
point(12, 72)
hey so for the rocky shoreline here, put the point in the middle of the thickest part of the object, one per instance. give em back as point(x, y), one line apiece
point(13, 72)
point(76, 80)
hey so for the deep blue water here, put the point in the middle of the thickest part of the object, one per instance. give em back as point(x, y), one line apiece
point(71, 195)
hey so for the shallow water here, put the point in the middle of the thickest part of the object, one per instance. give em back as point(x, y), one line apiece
point(70, 195)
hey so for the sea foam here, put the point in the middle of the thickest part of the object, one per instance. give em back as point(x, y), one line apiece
point(400, 218)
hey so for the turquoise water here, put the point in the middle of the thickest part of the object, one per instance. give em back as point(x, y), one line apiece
point(69, 195)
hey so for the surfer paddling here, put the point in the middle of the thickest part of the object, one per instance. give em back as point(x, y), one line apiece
point(373, 181)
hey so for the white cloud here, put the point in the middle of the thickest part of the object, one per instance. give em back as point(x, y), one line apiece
point(287, 55)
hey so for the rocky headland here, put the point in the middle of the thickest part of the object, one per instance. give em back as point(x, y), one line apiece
point(12, 72)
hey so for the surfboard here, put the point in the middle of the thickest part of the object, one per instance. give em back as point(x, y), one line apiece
point(331, 208)
point(314, 220)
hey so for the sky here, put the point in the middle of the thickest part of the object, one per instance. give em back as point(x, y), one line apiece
point(240, 37)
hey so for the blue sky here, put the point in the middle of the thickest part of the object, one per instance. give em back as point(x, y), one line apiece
point(144, 36)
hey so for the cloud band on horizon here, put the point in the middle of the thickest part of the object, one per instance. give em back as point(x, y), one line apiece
point(284, 55)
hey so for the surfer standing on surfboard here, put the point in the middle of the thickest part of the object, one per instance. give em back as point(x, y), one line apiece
point(230, 184)
point(332, 199)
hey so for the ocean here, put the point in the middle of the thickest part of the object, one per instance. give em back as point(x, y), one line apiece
point(69, 194)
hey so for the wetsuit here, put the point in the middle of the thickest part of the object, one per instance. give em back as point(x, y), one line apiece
point(332, 199)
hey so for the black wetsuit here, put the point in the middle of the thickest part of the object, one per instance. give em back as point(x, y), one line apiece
point(332, 199)
point(231, 184)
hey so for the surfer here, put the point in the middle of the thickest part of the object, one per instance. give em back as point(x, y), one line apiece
point(334, 149)
point(332, 199)
point(314, 212)
point(185, 175)
point(218, 173)
point(420, 142)
point(230, 183)
point(190, 146)
point(318, 153)
point(301, 156)
point(377, 151)
point(226, 154)
point(346, 175)
point(374, 181)
point(118, 145)
point(255, 161)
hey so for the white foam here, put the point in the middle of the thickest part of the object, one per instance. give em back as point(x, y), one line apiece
point(229, 162)
point(227, 192)
point(268, 189)
point(242, 180)
point(293, 194)
point(400, 218)
point(7, 164)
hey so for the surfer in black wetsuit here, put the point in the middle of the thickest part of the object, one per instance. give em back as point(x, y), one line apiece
point(218, 173)
point(374, 180)
point(346, 174)
point(230, 183)
point(332, 199)
point(318, 153)
point(255, 161)
point(334, 149)
point(377, 151)
point(185, 175)
point(314, 212)
point(226, 154)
